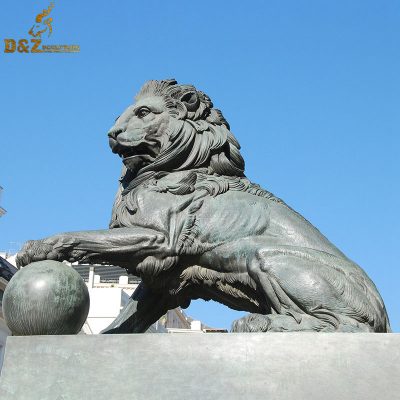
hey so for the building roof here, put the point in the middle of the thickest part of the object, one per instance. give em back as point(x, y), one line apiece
point(108, 273)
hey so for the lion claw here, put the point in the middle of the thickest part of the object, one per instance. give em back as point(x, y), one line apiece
point(53, 248)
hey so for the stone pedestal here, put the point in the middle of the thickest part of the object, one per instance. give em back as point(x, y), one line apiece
point(203, 366)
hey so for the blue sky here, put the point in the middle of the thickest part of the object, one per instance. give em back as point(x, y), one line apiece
point(311, 90)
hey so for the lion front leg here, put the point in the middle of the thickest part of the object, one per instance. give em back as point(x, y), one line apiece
point(143, 309)
point(118, 246)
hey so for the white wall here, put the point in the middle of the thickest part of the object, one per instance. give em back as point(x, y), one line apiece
point(4, 332)
point(105, 305)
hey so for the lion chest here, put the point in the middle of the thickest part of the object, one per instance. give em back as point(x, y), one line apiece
point(196, 221)
point(160, 211)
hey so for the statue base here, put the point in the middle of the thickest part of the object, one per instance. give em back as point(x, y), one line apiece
point(203, 366)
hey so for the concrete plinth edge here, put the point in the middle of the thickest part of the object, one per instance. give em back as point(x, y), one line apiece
point(202, 366)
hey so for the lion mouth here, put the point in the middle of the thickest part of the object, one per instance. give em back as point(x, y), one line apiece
point(143, 150)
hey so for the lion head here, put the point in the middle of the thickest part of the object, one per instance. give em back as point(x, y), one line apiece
point(173, 127)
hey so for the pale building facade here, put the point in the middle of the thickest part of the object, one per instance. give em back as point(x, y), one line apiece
point(109, 290)
point(7, 270)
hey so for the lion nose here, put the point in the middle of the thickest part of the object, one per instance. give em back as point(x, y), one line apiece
point(114, 132)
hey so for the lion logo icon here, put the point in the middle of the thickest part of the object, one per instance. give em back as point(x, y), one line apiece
point(42, 24)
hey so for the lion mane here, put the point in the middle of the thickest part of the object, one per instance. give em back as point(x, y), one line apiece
point(200, 134)
point(199, 140)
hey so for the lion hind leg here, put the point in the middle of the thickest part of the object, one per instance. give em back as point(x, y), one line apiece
point(302, 288)
point(276, 298)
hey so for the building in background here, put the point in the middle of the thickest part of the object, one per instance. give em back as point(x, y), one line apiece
point(110, 288)
point(7, 270)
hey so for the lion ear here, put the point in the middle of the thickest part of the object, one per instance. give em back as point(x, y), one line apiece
point(190, 100)
point(182, 112)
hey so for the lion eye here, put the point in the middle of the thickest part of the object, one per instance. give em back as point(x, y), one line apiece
point(142, 112)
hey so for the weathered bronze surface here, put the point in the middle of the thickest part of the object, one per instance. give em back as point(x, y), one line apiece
point(46, 298)
point(191, 225)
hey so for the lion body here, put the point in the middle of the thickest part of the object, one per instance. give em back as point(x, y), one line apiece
point(224, 233)
point(188, 221)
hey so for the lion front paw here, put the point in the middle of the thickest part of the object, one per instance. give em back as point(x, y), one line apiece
point(54, 248)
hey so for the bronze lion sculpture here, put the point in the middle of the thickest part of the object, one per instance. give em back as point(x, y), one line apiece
point(191, 225)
